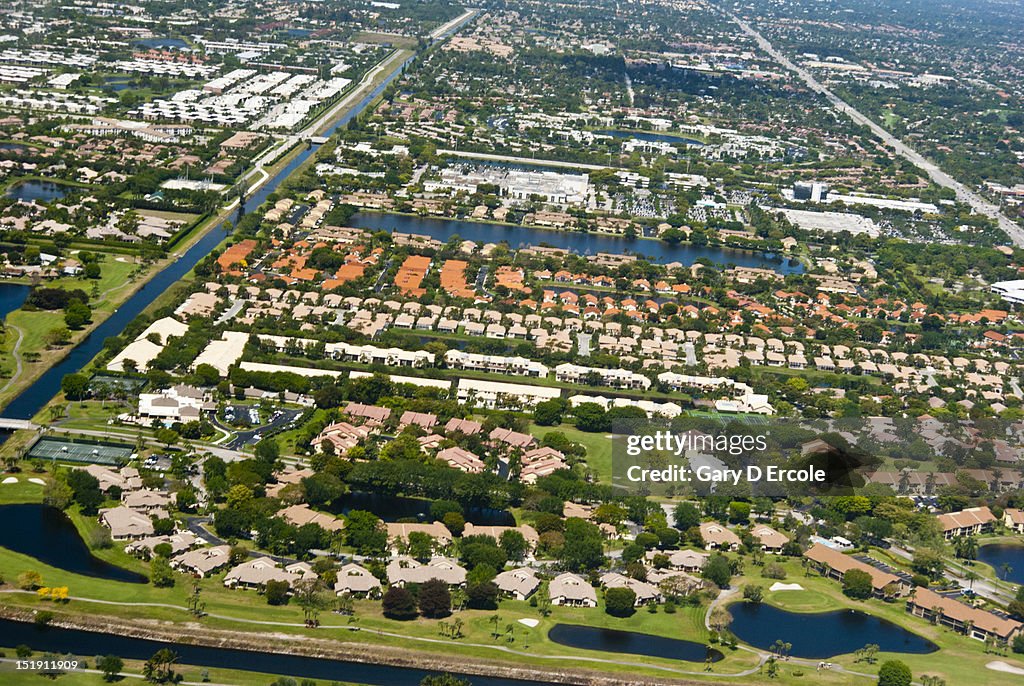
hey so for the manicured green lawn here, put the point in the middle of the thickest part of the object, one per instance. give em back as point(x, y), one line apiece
point(598, 445)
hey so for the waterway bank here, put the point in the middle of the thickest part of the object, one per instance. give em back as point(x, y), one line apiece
point(579, 242)
point(300, 656)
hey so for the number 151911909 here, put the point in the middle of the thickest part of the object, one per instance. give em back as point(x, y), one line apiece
point(47, 665)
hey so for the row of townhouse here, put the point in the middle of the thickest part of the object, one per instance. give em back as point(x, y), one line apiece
point(502, 364)
point(616, 378)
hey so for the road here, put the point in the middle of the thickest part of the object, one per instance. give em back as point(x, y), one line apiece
point(956, 572)
point(941, 178)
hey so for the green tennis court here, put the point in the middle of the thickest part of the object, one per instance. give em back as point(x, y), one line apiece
point(64, 450)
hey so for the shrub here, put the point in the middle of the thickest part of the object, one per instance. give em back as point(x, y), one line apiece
point(619, 602)
point(773, 570)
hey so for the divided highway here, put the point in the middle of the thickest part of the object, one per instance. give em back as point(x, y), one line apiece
point(963, 193)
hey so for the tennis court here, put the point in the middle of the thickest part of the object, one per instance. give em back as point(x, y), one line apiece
point(64, 450)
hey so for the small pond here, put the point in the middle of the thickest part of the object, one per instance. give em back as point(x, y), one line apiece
point(632, 642)
point(48, 535)
point(823, 634)
point(999, 554)
point(36, 189)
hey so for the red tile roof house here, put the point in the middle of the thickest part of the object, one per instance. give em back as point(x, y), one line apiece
point(835, 565)
point(971, 621)
point(1014, 519)
point(973, 520)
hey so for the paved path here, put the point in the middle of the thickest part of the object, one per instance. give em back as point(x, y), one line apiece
point(941, 178)
point(17, 358)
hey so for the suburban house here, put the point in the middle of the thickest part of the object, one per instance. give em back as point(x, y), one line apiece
point(517, 583)
point(969, 522)
point(398, 533)
point(569, 589)
point(835, 565)
point(257, 572)
point(356, 580)
point(1014, 519)
point(771, 540)
point(684, 560)
point(126, 524)
point(126, 478)
point(405, 570)
point(645, 592)
point(300, 515)
point(204, 561)
point(179, 543)
point(717, 536)
point(961, 618)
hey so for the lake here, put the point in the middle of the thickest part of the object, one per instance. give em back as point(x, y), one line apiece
point(632, 642)
point(824, 634)
point(36, 189)
point(89, 643)
point(12, 296)
point(575, 241)
point(999, 554)
point(163, 43)
point(47, 534)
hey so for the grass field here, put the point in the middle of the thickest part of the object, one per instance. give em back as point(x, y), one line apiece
point(598, 445)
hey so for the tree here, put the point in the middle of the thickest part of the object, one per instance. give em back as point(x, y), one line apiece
point(57, 493)
point(857, 584)
point(753, 593)
point(584, 546)
point(549, 412)
point(160, 573)
point(365, 532)
point(276, 592)
point(309, 595)
point(29, 580)
point(514, 544)
point(398, 603)
point(620, 602)
point(894, 673)
point(718, 570)
point(160, 667)
point(686, 516)
point(75, 386)
point(111, 666)
point(434, 599)
point(77, 315)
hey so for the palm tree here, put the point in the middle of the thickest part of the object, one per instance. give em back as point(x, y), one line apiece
point(971, 577)
point(1006, 569)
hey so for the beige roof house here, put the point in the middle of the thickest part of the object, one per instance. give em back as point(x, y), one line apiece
point(147, 501)
point(1013, 518)
point(125, 523)
point(687, 560)
point(645, 592)
point(126, 478)
point(715, 535)
point(835, 564)
point(495, 532)
point(179, 542)
point(257, 572)
point(518, 583)
point(569, 589)
point(203, 561)
point(405, 570)
point(299, 515)
point(356, 580)
point(770, 539)
point(399, 531)
point(962, 618)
